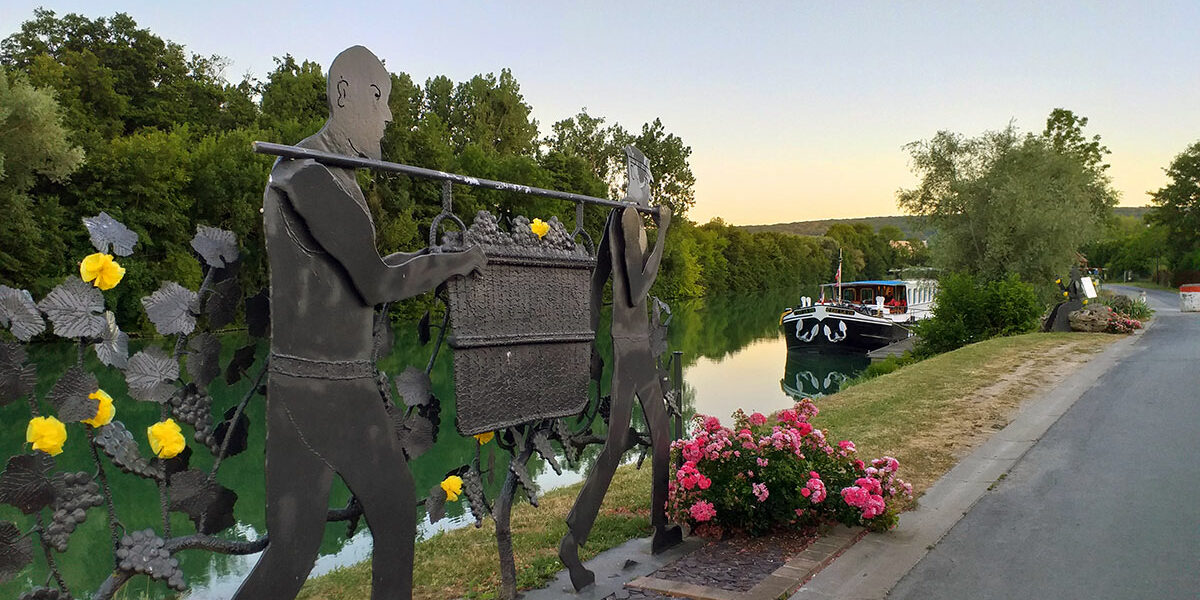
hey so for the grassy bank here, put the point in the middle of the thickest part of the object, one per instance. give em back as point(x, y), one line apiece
point(928, 415)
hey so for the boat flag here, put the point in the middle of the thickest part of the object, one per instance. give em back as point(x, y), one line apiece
point(838, 277)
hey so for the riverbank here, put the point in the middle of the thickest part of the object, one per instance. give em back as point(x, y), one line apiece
point(927, 415)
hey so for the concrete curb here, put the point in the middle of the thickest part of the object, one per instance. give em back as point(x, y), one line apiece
point(873, 566)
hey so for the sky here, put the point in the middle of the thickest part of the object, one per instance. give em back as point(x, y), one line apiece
point(793, 110)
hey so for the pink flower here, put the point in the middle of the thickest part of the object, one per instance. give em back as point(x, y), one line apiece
point(760, 491)
point(859, 465)
point(702, 511)
point(711, 424)
point(787, 415)
point(758, 419)
point(816, 488)
point(846, 445)
point(762, 462)
point(804, 428)
point(703, 482)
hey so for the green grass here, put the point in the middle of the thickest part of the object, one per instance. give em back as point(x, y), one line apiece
point(927, 415)
point(464, 562)
point(930, 413)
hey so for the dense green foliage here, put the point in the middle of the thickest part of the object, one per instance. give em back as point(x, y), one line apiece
point(33, 145)
point(1130, 307)
point(971, 309)
point(166, 140)
point(1177, 211)
point(1011, 203)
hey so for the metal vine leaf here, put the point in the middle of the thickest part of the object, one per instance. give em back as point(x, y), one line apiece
point(518, 468)
point(240, 432)
point(435, 504)
point(25, 484)
point(541, 443)
point(144, 553)
point(106, 231)
point(416, 428)
point(222, 301)
point(562, 432)
point(69, 396)
point(258, 314)
point(423, 333)
point(178, 463)
point(207, 503)
point(19, 313)
point(204, 352)
point(414, 387)
point(242, 359)
point(113, 347)
point(15, 551)
point(217, 247)
point(115, 441)
point(172, 309)
point(16, 378)
point(75, 308)
point(473, 490)
point(150, 375)
point(74, 494)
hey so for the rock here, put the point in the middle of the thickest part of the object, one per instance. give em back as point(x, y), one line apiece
point(1092, 318)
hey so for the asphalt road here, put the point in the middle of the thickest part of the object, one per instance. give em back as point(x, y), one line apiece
point(1107, 504)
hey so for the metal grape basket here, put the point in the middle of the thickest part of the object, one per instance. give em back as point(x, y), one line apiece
point(522, 334)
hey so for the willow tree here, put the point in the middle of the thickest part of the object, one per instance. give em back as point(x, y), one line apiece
point(1010, 203)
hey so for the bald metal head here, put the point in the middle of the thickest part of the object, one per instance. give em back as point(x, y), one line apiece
point(358, 87)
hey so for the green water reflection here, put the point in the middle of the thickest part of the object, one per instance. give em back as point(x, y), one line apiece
point(723, 340)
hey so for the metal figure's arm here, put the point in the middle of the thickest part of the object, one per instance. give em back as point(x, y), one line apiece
point(639, 268)
point(346, 232)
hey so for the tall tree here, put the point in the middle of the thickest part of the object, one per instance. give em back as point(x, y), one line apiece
point(1005, 202)
point(33, 145)
point(1177, 208)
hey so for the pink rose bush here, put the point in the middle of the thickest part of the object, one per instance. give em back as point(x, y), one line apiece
point(1122, 323)
point(764, 472)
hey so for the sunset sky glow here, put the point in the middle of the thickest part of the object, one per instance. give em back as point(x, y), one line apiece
point(794, 110)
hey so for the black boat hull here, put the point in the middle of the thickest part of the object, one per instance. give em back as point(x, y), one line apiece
point(841, 333)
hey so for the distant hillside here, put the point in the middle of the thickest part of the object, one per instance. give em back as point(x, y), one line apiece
point(906, 224)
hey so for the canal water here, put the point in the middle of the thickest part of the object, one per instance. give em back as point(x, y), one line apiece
point(733, 358)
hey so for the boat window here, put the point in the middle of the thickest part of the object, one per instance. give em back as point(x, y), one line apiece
point(848, 295)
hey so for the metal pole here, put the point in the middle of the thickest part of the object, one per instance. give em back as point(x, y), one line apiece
point(677, 375)
point(355, 162)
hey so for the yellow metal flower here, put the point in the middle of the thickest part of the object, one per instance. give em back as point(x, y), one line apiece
point(540, 227)
point(1058, 280)
point(104, 414)
point(46, 434)
point(485, 437)
point(1064, 294)
point(101, 270)
point(452, 485)
point(1085, 301)
point(166, 439)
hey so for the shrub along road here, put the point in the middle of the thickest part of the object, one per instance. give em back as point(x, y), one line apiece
point(1102, 506)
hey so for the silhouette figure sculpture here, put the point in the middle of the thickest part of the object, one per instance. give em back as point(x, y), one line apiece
point(325, 414)
point(622, 252)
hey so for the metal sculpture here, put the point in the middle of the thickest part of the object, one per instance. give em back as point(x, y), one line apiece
point(1073, 294)
point(622, 253)
point(329, 409)
point(324, 411)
